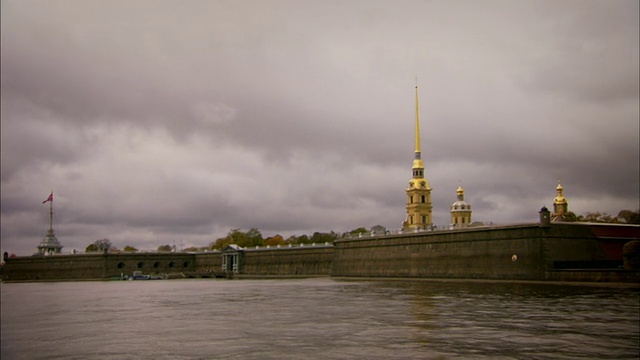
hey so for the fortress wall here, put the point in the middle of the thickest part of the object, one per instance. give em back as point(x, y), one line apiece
point(148, 263)
point(307, 260)
point(95, 266)
point(586, 246)
point(483, 253)
point(558, 252)
point(541, 253)
point(570, 244)
point(209, 262)
point(54, 267)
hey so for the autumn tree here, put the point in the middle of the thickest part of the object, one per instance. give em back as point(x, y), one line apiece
point(220, 243)
point(357, 232)
point(320, 238)
point(91, 248)
point(254, 238)
point(165, 248)
point(274, 241)
point(251, 238)
point(597, 217)
point(378, 230)
point(130, 249)
point(624, 217)
point(572, 217)
point(629, 217)
point(99, 245)
point(303, 239)
point(293, 239)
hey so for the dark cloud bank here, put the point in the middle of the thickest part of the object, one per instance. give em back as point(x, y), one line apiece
point(161, 122)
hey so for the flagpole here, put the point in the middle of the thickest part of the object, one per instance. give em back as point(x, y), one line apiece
point(51, 215)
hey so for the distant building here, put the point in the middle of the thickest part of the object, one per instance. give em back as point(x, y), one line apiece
point(460, 211)
point(50, 244)
point(560, 205)
point(419, 209)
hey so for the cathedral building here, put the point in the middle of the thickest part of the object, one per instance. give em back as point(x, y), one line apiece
point(560, 205)
point(460, 211)
point(419, 209)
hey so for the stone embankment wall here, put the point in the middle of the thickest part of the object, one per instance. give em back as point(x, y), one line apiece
point(95, 266)
point(557, 252)
point(299, 260)
point(208, 263)
point(148, 263)
point(504, 253)
point(54, 267)
point(591, 252)
point(524, 252)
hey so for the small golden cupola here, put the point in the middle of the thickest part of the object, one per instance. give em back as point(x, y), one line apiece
point(560, 205)
point(419, 207)
point(460, 211)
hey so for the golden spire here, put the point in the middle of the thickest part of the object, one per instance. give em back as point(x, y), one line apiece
point(419, 214)
point(418, 165)
point(417, 125)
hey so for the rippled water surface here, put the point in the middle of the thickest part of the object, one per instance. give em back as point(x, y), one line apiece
point(316, 319)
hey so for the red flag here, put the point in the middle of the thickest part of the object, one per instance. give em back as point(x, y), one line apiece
point(50, 198)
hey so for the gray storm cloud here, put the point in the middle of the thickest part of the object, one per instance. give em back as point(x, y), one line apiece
point(158, 121)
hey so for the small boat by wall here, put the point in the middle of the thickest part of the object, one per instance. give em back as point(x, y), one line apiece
point(138, 275)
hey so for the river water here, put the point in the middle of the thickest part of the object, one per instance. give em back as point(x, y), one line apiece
point(318, 318)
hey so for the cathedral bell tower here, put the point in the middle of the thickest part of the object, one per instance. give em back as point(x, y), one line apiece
point(419, 192)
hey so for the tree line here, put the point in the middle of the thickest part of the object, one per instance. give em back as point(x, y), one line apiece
point(253, 237)
point(106, 245)
point(623, 217)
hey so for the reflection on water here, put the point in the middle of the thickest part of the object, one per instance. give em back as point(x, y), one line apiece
point(316, 319)
point(526, 321)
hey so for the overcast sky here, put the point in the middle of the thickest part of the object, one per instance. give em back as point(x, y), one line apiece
point(162, 122)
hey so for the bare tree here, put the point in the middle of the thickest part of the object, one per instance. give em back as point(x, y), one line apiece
point(103, 244)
